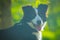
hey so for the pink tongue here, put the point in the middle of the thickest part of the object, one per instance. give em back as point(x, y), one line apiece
point(38, 28)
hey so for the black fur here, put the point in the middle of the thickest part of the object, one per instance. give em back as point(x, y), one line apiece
point(42, 11)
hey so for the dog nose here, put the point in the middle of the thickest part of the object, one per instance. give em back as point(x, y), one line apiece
point(38, 22)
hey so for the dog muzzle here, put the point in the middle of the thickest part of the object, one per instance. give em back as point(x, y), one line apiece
point(37, 23)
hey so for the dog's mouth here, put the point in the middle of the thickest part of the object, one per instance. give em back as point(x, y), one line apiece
point(36, 24)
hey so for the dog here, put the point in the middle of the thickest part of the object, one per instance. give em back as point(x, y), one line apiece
point(32, 22)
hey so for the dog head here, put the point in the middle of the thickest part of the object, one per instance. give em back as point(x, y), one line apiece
point(36, 16)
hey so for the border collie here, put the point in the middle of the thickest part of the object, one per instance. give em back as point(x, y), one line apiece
point(30, 27)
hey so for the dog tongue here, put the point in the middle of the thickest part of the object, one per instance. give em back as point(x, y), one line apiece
point(38, 28)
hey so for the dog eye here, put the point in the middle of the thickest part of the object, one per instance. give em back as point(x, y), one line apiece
point(38, 22)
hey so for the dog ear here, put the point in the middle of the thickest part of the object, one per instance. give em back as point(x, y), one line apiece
point(29, 13)
point(42, 9)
